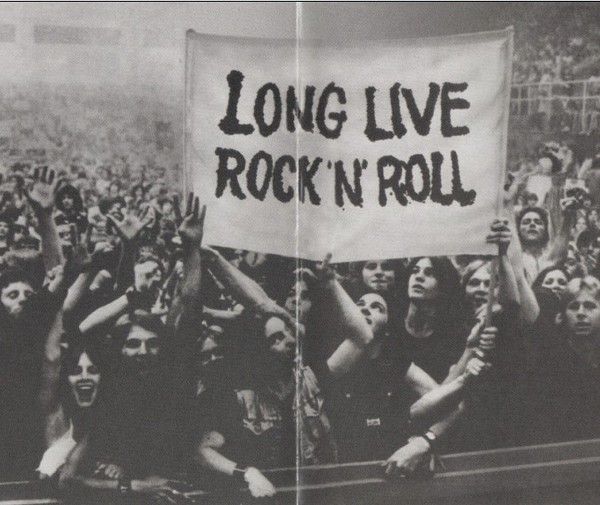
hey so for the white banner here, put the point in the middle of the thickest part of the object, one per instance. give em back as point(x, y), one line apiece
point(368, 150)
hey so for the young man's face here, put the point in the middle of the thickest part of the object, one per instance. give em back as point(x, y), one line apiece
point(15, 298)
point(477, 289)
point(281, 339)
point(582, 315)
point(532, 229)
point(378, 275)
point(422, 283)
point(84, 380)
point(375, 310)
point(141, 348)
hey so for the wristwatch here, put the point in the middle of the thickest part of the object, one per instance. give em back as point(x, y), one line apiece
point(431, 439)
point(239, 473)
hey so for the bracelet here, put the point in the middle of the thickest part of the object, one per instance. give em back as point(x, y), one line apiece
point(239, 474)
point(124, 486)
point(431, 439)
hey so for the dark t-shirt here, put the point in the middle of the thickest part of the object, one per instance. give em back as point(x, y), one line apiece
point(369, 406)
point(138, 425)
point(561, 397)
point(21, 358)
point(256, 422)
point(436, 353)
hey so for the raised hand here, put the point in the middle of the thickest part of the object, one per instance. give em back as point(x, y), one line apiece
point(130, 226)
point(324, 271)
point(54, 278)
point(568, 204)
point(41, 194)
point(500, 234)
point(191, 229)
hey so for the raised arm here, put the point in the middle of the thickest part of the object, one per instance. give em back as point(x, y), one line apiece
point(107, 313)
point(560, 244)
point(41, 198)
point(56, 424)
point(244, 289)
point(191, 231)
point(346, 318)
point(88, 266)
point(508, 289)
point(128, 229)
point(529, 308)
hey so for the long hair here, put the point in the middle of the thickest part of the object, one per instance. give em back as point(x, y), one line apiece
point(543, 216)
point(539, 280)
point(450, 304)
point(81, 418)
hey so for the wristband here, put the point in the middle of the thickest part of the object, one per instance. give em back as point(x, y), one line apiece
point(239, 474)
point(431, 439)
point(124, 486)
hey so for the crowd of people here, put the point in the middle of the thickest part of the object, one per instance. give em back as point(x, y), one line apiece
point(133, 355)
point(135, 358)
point(561, 45)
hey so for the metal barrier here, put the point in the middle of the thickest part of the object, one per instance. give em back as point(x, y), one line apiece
point(550, 474)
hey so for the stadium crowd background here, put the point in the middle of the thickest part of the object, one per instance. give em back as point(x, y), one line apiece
point(116, 152)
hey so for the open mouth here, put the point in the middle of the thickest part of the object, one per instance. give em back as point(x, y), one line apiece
point(480, 300)
point(85, 390)
point(368, 320)
point(417, 288)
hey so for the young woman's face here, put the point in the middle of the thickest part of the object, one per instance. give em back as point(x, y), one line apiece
point(375, 310)
point(378, 275)
point(84, 380)
point(15, 298)
point(582, 315)
point(422, 283)
point(477, 289)
point(556, 281)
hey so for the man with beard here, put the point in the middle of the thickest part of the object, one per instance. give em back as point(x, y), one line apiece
point(132, 438)
point(538, 251)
